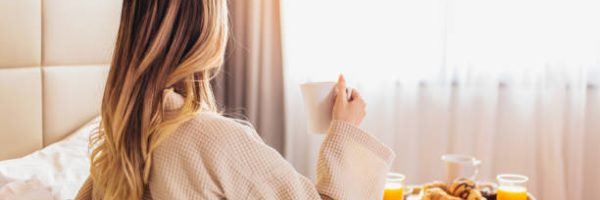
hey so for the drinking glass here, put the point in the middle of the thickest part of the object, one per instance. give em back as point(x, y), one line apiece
point(394, 187)
point(512, 187)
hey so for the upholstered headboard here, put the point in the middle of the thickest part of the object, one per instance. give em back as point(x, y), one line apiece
point(53, 65)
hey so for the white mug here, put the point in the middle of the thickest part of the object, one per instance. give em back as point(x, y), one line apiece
point(460, 166)
point(318, 102)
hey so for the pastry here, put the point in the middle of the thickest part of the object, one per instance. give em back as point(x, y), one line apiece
point(475, 195)
point(461, 188)
point(437, 193)
point(436, 184)
point(416, 190)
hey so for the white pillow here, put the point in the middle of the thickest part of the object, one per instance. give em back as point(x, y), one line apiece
point(60, 168)
point(29, 189)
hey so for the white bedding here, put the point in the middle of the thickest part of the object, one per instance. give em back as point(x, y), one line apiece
point(55, 172)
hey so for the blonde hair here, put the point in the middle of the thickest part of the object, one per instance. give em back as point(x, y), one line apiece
point(160, 45)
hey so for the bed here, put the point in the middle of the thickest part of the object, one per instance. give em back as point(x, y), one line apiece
point(55, 172)
point(54, 57)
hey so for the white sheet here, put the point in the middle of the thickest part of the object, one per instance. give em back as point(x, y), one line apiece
point(55, 172)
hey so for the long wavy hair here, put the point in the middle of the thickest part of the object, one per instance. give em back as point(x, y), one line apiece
point(161, 44)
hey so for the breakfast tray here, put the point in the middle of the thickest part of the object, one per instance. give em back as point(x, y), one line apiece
point(418, 196)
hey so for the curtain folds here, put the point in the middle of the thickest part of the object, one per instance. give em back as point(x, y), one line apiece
point(513, 82)
point(250, 86)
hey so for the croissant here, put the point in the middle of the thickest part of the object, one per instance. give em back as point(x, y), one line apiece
point(462, 188)
point(436, 184)
point(436, 193)
point(475, 195)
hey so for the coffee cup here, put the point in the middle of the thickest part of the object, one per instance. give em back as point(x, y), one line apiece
point(318, 102)
point(460, 166)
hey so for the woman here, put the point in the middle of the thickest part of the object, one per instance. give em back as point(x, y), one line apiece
point(162, 138)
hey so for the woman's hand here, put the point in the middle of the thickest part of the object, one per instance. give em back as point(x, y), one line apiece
point(351, 111)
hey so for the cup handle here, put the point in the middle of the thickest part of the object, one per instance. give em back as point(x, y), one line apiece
point(476, 164)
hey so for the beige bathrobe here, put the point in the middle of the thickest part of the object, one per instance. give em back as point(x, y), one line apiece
point(214, 157)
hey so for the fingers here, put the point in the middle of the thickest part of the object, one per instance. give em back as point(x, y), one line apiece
point(363, 105)
point(348, 109)
point(341, 89)
point(355, 95)
point(359, 103)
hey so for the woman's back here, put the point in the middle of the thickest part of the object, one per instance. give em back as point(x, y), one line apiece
point(159, 143)
point(214, 157)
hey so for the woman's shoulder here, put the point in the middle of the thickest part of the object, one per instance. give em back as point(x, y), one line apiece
point(209, 128)
point(216, 122)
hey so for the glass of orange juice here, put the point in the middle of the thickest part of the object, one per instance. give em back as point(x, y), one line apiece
point(512, 187)
point(394, 187)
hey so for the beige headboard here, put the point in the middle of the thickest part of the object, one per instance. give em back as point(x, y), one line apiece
point(53, 64)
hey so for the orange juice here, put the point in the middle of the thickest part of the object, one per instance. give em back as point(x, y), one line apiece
point(393, 191)
point(512, 193)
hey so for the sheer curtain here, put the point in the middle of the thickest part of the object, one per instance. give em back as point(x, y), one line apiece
point(250, 85)
point(513, 82)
